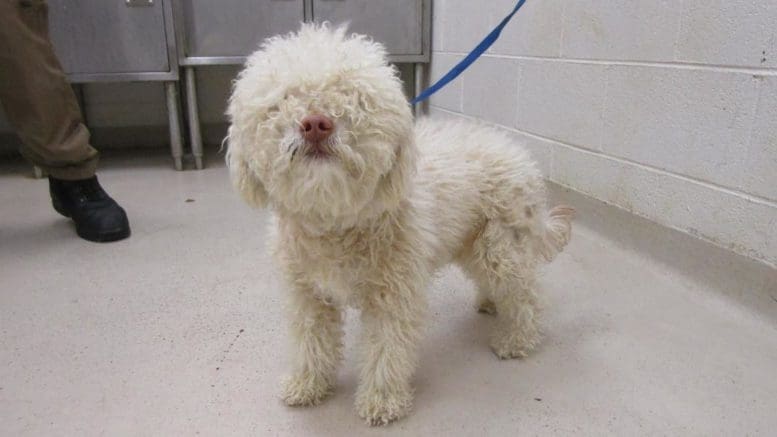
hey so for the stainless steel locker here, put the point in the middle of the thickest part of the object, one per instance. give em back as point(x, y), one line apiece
point(120, 40)
point(226, 31)
point(110, 40)
point(399, 24)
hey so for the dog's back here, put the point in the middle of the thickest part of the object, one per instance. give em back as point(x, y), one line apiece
point(470, 174)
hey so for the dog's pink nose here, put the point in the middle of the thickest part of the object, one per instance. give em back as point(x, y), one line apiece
point(316, 128)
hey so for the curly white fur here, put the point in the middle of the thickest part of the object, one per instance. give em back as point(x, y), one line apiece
point(369, 226)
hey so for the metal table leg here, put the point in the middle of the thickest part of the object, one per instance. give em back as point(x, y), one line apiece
point(173, 112)
point(194, 117)
point(420, 82)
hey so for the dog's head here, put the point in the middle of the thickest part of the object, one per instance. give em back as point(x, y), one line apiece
point(320, 128)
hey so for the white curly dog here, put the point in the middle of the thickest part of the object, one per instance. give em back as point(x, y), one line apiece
point(368, 206)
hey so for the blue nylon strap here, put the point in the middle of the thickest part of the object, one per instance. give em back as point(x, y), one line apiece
point(481, 48)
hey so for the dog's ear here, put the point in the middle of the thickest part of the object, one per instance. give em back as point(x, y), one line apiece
point(244, 178)
point(393, 185)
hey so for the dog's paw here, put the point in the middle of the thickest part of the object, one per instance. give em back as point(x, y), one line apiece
point(380, 408)
point(506, 351)
point(487, 306)
point(513, 345)
point(302, 390)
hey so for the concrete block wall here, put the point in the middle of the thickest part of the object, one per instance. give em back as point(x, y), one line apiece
point(667, 108)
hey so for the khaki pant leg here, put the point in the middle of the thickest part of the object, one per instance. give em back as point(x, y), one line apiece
point(36, 96)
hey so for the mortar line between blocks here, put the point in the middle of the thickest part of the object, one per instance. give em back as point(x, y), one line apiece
point(733, 192)
point(768, 71)
point(760, 90)
point(605, 103)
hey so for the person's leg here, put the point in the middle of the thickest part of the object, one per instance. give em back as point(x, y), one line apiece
point(42, 107)
point(36, 96)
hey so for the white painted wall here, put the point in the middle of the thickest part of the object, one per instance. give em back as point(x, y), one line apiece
point(665, 108)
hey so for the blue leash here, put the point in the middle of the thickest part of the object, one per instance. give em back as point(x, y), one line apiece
point(481, 48)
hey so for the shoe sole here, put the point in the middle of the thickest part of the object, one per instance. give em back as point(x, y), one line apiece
point(96, 237)
point(104, 237)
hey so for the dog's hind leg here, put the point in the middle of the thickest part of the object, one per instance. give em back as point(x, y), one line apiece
point(502, 263)
point(317, 333)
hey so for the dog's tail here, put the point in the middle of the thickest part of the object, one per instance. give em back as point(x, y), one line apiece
point(558, 231)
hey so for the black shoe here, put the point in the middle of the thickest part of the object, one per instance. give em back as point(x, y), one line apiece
point(98, 217)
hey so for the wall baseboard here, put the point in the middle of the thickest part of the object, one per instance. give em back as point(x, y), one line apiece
point(696, 262)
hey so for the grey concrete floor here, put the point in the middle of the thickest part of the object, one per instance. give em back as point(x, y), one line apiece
point(179, 331)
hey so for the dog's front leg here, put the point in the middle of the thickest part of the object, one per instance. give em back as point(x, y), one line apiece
point(317, 336)
point(392, 323)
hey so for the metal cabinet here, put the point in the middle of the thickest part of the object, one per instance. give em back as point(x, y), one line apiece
point(224, 32)
point(398, 24)
point(120, 40)
point(138, 40)
point(110, 40)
